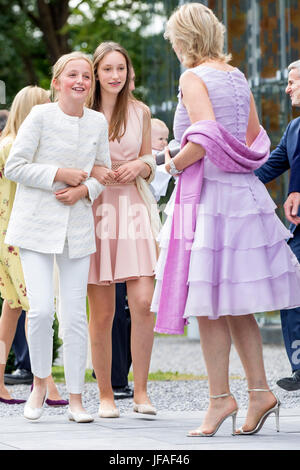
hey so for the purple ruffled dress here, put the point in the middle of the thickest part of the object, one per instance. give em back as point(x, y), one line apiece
point(240, 262)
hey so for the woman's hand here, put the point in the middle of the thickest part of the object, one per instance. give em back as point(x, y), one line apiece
point(69, 196)
point(128, 172)
point(103, 175)
point(71, 176)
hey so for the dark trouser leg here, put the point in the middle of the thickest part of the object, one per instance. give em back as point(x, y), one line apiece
point(121, 355)
point(20, 346)
point(290, 319)
point(290, 323)
point(22, 373)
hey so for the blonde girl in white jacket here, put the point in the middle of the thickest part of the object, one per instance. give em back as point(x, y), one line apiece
point(51, 159)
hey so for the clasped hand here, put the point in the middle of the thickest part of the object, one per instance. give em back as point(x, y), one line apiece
point(124, 174)
point(74, 178)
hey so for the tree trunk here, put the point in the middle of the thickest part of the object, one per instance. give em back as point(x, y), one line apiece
point(50, 19)
point(29, 68)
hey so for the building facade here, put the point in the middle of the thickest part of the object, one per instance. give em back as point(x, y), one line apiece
point(263, 37)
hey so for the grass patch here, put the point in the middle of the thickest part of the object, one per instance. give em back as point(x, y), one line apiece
point(59, 376)
point(163, 376)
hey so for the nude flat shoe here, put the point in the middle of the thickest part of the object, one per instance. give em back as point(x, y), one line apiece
point(108, 412)
point(79, 417)
point(144, 408)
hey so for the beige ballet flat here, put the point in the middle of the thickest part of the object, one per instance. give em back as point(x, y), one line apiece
point(79, 417)
point(144, 408)
point(108, 412)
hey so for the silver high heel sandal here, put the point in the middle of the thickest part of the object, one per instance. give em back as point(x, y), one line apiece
point(274, 409)
point(198, 433)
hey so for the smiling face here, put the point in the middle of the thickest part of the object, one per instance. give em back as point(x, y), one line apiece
point(112, 73)
point(74, 82)
point(293, 87)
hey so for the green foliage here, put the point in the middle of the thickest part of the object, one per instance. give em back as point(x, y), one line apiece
point(10, 364)
point(22, 60)
point(57, 342)
point(26, 52)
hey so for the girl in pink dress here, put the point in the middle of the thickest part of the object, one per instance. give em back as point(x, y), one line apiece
point(125, 237)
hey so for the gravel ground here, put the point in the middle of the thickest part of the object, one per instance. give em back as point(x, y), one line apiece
point(182, 355)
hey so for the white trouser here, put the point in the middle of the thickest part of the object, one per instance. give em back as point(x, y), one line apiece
point(73, 277)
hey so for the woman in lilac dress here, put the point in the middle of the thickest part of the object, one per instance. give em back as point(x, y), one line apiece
point(231, 259)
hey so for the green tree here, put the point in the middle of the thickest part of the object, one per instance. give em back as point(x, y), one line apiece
point(34, 33)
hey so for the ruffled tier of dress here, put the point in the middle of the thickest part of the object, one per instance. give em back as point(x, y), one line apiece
point(240, 262)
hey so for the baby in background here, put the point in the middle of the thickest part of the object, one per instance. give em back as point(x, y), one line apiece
point(159, 138)
point(160, 135)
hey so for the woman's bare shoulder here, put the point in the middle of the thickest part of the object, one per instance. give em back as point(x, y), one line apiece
point(142, 107)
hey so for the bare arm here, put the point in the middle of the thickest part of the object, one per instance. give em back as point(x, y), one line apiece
point(253, 128)
point(199, 107)
point(146, 147)
point(129, 171)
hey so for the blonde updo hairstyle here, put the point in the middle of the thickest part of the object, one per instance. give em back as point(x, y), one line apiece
point(61, 63)
point(21, 106)
point(197, 34)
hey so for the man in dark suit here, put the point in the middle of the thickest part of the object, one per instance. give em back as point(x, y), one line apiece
point(287, 156)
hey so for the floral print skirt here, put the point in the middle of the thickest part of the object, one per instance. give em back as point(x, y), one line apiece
point(12, 284)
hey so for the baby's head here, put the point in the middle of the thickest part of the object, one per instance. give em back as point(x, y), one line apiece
point(160, 134)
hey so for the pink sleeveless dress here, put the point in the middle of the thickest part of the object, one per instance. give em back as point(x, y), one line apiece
point(125, 246)
point(240, 262)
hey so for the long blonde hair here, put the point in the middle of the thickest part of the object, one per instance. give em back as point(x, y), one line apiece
point(197, 33)
point(117, 125)
point(59, 66)
point(21, 106)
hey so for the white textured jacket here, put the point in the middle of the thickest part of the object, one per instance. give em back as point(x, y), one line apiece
point(47, 140)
